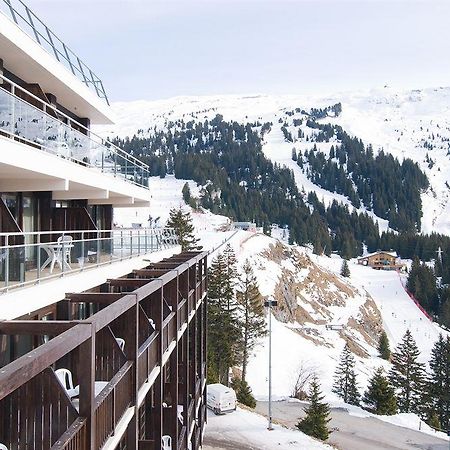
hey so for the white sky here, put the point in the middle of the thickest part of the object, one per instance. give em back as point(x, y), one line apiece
point(149, 49)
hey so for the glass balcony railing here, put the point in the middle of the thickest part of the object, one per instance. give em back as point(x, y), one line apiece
point(25, 117)
point(30, 23)
point(28, 258)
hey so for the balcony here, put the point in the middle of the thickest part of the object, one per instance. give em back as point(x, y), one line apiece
point(30, 23)
point(29, 258)
point(143, 378)
point(26, 118)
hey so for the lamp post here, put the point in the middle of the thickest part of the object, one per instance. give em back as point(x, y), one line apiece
point(269, 304)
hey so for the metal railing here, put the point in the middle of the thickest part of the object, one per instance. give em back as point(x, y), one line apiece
point(28, 258)
point(30, 23)
point(47, 128)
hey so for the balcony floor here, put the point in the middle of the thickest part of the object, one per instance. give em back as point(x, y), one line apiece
point(20, 301)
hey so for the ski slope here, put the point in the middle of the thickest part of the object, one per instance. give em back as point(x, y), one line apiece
point(410, 123)
point(398, 311)
point(279, 151)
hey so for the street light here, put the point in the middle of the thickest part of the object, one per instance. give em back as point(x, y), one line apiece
point(269, 304)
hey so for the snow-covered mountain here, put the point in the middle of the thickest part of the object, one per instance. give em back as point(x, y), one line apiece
point(414, 124)
point(311, 294)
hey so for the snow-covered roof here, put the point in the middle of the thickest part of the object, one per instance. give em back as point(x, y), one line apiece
point(380, 252)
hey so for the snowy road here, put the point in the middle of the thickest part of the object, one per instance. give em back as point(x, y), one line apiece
point(245, 430)
point(357, 433)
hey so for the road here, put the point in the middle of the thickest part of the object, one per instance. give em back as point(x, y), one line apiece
point(356, 433)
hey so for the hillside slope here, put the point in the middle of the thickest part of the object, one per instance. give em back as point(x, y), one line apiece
point(414, 124)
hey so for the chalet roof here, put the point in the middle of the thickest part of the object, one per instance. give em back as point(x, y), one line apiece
point(380, 252)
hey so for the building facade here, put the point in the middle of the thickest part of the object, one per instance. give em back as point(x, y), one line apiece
point(102, 329)
point(381, 261)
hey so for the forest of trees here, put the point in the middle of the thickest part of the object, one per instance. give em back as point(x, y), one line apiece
point(408, 387)
point(226, 158)
point(236, 321)
point(389, 188)
point(238, 181)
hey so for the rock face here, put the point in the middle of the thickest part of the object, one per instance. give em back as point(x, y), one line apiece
point(316, 303)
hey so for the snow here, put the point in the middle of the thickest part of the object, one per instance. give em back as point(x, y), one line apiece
point(398, 311)
point(405, 420)
point(279, 151)
point(400, 122)
point(245, 427)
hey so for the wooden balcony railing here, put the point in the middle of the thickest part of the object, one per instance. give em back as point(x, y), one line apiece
point(74, 438)
point(182, 313)
point(36, 410)
point(112, 402)
point(147, 358)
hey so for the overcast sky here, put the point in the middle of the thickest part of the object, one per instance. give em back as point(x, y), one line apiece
point(150, 49)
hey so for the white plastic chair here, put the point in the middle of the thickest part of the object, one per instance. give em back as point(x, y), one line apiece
point(166, 442)
point(65, 378)
point(121, 343)
point(61, 255)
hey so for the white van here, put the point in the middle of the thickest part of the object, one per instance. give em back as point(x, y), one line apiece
point(220, 398)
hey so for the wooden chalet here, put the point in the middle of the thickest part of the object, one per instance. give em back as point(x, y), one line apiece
point(382, 260)
point(135, 350)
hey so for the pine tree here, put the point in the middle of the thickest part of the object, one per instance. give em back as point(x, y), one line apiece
point(345, 271)
point(253, 323)
point(243, 392)
point(186, 193)
point(232, 275)
point(181, 222)
point(383, 346)
point(440, 380)
point(380, 395)
point(407, 375)
point(317, 414)
point(224, 334)
point(345, 385)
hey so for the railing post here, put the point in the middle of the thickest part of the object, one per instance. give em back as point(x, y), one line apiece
point(139, 242)
point(82, 251)
point(63, 256)
point(121, 244)
point(7, 262)
point(86, 378)
point(152, 232)
point(13, 109)
point(111, 246)
point(131, 243)
point(98, 248)
point(38, 258)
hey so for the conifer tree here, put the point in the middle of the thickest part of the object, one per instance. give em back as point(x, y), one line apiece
point(345, 271)
point(345, 385)
point(380, 395)
point(243, 392)
point(181, 222)
point(253, 323)
point(315, 423)
point(440, 380)
point(186, 193)
point(224, 334)
point(383, 346)
point(407, 375)
point(232, 275)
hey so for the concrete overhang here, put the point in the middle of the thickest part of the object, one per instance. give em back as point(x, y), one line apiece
point(23, 168)
point(28, 60)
